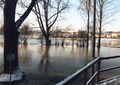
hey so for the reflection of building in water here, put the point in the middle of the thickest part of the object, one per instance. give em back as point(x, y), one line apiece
point(115, 42)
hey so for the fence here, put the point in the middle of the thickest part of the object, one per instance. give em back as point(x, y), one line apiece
point(90, 74)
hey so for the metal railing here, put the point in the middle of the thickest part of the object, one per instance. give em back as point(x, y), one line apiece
point(90, 74)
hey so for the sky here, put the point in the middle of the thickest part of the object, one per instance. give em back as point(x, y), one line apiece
point(74, 19)
point(115, 24)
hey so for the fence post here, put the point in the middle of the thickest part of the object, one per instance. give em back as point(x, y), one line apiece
point(85, 78)
point(98, 69)
point(92, 83)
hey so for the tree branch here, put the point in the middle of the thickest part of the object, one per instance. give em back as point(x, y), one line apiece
point(57, 13)
point(39, 19)
point(26, 13)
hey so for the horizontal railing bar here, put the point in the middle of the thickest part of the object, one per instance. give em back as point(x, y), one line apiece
point(92, 62)
point(75, 75)
point(111, 57)
point(111, 68)
point(93, 76)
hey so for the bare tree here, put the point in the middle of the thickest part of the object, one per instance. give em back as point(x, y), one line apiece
point(104, 11)
point(47, 12)
point(86, 7)
point(25, 31)
point(94, 29)
point(11, 33)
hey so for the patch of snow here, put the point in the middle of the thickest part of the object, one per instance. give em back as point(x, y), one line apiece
point(15, 76)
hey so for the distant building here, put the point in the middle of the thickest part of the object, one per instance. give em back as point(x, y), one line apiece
point(112, 34)
point(115, 35)
point(103, 35)
point(66, 34)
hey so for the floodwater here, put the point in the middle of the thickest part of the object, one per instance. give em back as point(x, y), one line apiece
point(56, 62)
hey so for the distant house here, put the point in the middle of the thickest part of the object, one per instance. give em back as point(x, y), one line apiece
point(112, 34)
point(108, 34)
point(66, 34)
point(69, 34)
point(115, 35)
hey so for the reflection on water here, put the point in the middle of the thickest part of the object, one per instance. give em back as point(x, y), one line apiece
point(57, 60)
point(44, 61)
point(111, 42)
point(51, 60)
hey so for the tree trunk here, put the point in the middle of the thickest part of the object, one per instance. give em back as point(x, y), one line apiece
point(47, 40)
point(100, 22)
point(11, 34)
point(88, 22)
point(10, 37)
point(10, 52)
point(94, 30)
point(99, 38)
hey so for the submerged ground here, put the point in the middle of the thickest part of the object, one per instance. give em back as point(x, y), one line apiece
point(47, 66)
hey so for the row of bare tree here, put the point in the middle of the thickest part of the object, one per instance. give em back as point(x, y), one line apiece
point(100, 9)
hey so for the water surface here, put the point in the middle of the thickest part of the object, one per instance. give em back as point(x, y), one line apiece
point(57, 62)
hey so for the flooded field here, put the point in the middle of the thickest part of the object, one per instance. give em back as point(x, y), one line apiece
point(54, 63)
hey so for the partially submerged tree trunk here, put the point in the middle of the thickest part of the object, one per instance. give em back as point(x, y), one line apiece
point(86, 7)
point(88, 26)
point(47, 41)
point(94, 31)
point(11, 34)
point(99, 38)
point(100, 22)
point(47, 13)
point(10, 37)
point(88, 21)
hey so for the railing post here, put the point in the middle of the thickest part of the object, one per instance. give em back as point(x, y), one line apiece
point(92, 83)
point(98, 69)
point(85, 78)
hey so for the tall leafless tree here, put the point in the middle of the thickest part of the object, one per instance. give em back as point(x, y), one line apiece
point(47, 12)
point(86, 7)
point(104, 11)
point(11, 33)
point(94, 29)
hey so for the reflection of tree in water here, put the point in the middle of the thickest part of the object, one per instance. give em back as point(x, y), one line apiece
point(44, 62)
point(25, 53)
point(1, 48)
point(1, 57)
point(98, 52)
